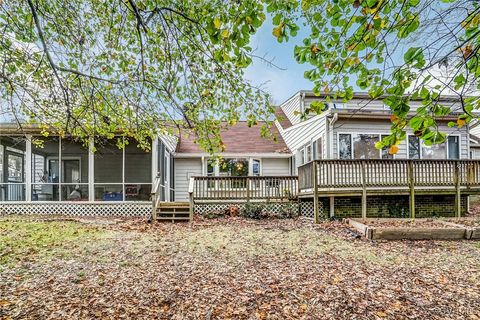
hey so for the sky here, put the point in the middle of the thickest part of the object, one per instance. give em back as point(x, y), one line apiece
point(281, 84)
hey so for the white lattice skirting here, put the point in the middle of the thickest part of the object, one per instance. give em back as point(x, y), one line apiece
point(117, 209)
point(306, 208)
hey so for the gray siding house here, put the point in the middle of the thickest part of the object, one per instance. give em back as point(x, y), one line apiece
point(64, 175)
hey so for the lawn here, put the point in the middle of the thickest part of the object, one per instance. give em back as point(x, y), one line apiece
point(229, 269)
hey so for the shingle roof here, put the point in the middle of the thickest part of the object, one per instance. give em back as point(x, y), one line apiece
point(239, 138)
point(282, 118)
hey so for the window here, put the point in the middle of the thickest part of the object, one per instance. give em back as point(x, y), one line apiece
point(453, 147)
point(308, 152)
point(255, 167)
point(435, 151)
point(413, 147)
point(233, 167)
point(318, 154)
point(364, 146)
point(345, 146)
point(448, 150)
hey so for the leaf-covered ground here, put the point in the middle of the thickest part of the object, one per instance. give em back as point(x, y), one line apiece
point(229, 269)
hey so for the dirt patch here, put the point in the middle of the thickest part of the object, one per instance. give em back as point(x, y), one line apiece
point(406, 223)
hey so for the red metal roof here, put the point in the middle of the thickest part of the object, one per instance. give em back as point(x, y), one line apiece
point(239, 138)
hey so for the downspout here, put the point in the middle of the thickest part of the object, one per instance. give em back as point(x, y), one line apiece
point(330, 134)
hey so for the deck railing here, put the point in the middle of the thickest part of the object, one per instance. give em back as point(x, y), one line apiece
point(244, 188)
point(357, 174)
point(345, 177)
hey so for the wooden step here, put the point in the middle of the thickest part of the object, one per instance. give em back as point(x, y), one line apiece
point(173, 211)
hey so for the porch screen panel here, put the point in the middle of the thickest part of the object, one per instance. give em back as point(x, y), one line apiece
point(12, 167)
point(138, 172)
point(108, 170)
point(74, 175)
point(45, 169)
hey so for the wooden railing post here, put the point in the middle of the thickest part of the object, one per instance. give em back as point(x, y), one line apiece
point(456, 178)
point(315, 192)
point(248, 189)
point(411, 185)
point(191, 189)
point(364, 192)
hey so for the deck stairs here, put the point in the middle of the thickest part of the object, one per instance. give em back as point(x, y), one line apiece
point(173, 211)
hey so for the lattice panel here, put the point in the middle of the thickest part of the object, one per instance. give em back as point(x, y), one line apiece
point(275, 207)
point(122, 209)
point(306, 209)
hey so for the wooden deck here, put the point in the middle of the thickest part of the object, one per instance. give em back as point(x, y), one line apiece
point(327, 178)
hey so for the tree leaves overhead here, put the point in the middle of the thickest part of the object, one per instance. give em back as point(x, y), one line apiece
point(391, 49)
point(89, 68)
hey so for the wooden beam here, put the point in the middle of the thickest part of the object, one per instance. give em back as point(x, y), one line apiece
point(315, 193)
point(411, 185)
point(456, 178)
point(364, 193)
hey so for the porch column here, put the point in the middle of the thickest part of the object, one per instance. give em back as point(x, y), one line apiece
point(28, 169)
point(91, 176)
point(154, 159)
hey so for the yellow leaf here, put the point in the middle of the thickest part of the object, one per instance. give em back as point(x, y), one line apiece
point(381, 314)
point(225, 33)
point(217, 23)
point(277, 31)
point(393, 149)
point(461, 123)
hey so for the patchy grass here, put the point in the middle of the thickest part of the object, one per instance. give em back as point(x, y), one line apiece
point(239, 244)
point(29, 240)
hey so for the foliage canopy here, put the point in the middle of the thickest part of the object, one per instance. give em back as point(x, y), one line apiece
point(96, 68)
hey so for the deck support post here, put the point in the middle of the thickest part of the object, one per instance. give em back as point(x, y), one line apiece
point(332, 206)
point(411, 185)
point(458, 199)
point(315, 193)
point(190, 200)
point(364, 193)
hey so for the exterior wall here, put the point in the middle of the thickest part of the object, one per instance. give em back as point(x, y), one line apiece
point(290, 107)
point(184, 169)
point(426, 206)
point(383, 127)
point(275, 167)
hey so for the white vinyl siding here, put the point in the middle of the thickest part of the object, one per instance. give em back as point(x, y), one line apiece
point(291, 107)
point(275, 167)
point(184, 169)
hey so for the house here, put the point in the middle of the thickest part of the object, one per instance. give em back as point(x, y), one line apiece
point(65, 176)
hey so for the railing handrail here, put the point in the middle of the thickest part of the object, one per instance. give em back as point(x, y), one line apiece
point(242, 177)
point(243, 187)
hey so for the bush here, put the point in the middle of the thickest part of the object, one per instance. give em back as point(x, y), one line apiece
point(288, 211)
point(254, 210)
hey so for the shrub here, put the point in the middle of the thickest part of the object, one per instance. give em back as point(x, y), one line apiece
point(254, 210)
point(288, 210)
